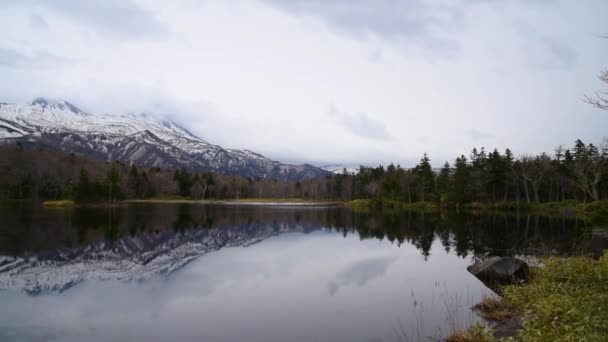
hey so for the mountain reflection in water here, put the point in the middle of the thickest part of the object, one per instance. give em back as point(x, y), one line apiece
point(52, 250)
point(187, 272)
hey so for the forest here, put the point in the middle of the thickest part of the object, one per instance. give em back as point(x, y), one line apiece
point(576, 173)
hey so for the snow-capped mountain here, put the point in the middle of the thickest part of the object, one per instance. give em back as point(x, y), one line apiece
point(140, 139)
point(133, 258)
point(339, 168)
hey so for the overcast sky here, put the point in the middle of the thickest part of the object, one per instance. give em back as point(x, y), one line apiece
point(322, 81)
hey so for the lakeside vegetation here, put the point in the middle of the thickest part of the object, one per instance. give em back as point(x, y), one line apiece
point(169, 199)
point(566, 300)
point(58, 203)
point(573, 180)
point(596, 212)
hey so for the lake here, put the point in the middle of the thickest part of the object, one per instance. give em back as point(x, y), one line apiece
point(195, 272)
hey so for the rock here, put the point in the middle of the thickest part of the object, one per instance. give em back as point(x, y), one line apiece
point(497, 271)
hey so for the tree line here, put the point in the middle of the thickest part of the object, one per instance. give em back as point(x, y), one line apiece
point(577, 173)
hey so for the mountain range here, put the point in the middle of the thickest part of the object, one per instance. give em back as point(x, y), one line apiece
point(140, 139)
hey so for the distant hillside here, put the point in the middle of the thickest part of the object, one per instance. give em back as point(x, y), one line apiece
point(139, 139)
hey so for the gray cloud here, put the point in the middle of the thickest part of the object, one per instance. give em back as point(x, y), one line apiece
point(476, 134)
point(121, 19)
point(561, 57)
point(375, 56)
point(360, 124)
point(544, 51)
point(410, 22)
point(38, 22)
point(38, 59)
point(360, 273)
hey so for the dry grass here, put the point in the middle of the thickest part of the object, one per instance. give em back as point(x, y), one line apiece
point(495, 309)
point(476, 333)
point(59, 203)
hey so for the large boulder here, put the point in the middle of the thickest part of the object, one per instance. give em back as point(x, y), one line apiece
point(497, 271)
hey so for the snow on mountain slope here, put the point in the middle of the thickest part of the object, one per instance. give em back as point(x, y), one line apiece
point(338, 168)
point(141, 139)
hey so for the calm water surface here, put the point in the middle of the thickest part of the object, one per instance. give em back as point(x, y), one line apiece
point(188, 272)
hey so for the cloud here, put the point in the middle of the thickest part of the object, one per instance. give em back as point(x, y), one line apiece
point(360, 124)
point(38, 59)
point(544, 51)
point(38, 22)
point(559, 55)
point(360, 273)
point(418, 23)
point(375, 56)
point(122, 19)
point(477, 135)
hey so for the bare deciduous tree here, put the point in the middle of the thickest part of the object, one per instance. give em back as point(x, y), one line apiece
point(600, 99)
point(589, 170)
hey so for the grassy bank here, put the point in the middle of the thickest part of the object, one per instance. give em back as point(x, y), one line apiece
point(596, 212)
point(567, 300)
point(365, 205)
point(58, 204)
point(178, 199)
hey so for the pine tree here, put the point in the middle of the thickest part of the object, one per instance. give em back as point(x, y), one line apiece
point(462, 181)
point(426, 178)
point(444, 179)
point(83, 189)
point(113, 181)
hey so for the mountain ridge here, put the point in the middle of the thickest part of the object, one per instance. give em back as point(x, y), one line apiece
point(137, 138)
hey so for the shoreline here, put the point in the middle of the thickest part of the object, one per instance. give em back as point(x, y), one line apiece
point(564, 300)
point(594, 211)
point(253, 201)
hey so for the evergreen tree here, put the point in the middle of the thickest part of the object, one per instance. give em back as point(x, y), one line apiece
point(444, 180)
point(184, 182)
point(134, 182)
point(462, 181)
point(113, 181)
point(426, 178)
point(84, 188)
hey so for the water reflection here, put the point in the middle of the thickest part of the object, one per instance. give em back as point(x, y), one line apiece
point(274, 290)
point(359, 273)
point(36, 231)
point(182, 272)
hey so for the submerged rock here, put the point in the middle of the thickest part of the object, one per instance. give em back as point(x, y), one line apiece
point(509, 327)
point(497, 271)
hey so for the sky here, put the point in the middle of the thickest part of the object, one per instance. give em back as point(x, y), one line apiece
point(324, 82)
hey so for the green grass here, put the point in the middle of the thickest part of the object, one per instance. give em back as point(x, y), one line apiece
point(476, 333)
point(365, 205)
point(58, 203)
point(566, 301)
point(169, 198)
point(359, 205)
point(595, 212)
point(500, 206)
point(280, 200)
